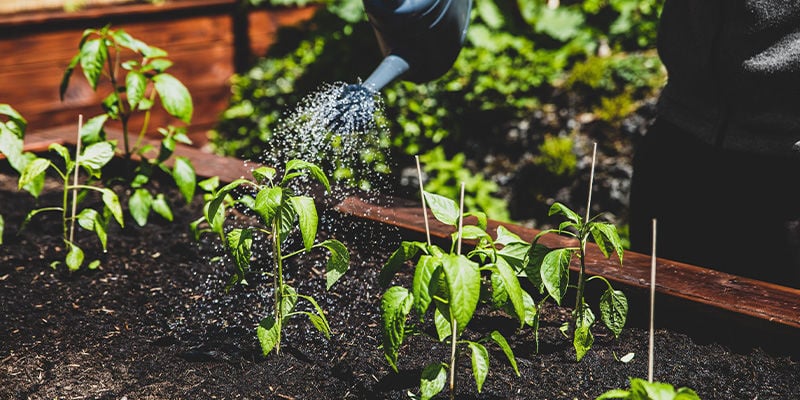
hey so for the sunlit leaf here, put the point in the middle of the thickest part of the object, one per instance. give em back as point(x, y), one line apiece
point(93, 55)
point(185, 177)
point(111, 201)
point(555, 272)
point(139, 205)
point(162, 208)
point(480, 363)
point(444, 209)
point(614, 310)
point(464, 284)
point(268, 333)
point(503, 343)
point(422, 278)
point(135, 86)
point(74, 258)
point(307, 218)
point(432, 381)
point(174, 96)
point(338, 262)
point(395, 306)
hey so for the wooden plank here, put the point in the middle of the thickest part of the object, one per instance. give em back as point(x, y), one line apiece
point(206, 164)
point(766, 301)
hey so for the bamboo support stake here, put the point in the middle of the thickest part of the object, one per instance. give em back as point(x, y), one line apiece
point(650, 348)
point(424, 207)
point(75, 181)
point(591, 182)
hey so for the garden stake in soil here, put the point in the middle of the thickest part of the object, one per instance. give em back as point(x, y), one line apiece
point(650, 347)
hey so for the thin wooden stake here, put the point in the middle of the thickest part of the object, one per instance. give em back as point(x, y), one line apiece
point(591, 182)
point(650, 348)
point(424, 207)
point(75, 181)
point(460, 219)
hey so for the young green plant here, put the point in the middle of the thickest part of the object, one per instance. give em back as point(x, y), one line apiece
point(280, 211)
point(91, 159)
point(451, 283)
point(548, 269)
point(135, 83)
point(641, 389)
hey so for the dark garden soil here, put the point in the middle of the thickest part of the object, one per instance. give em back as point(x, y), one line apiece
point(153, 322)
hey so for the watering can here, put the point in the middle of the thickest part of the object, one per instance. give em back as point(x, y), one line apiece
point(419, 39)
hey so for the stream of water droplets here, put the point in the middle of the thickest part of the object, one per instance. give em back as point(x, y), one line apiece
point(339, 127)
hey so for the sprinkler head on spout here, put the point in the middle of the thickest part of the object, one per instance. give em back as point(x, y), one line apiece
point(353, 110)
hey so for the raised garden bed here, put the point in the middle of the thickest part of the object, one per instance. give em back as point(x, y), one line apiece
point(154, 322)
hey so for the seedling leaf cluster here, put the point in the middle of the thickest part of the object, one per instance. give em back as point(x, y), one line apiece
point(279, 211)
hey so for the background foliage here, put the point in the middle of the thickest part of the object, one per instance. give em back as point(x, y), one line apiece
point(534, 85)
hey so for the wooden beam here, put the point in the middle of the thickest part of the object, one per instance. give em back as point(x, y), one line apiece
point(763, 300)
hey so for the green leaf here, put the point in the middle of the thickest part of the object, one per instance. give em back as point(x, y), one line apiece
point(555, 272)
point(614, 394)
point(490, 14)
point(33, 170)
point(139, 205)
point(93, 55)
point(67, 75)
point(268, 334)
point(480, 363)
point(240, 244)
point(92, 130)
point(474, 232)
point(420, 286)
point(318, 318)
point(499, 294)
point(561, 23)
point(605, 234)
point(95, 156)
point(686, 394)
point(2, 228)
point(582, 341)
point(209, 184)
point(91, 220)
point(313, 169)
point(174, 96)
point(442, 324)
point(506, 237)
point(63, 153)
point(516, 254)
point(135, 86)
point(288, 298)
point(464, 285)
point(129, 42)
point(444, 209)
point(214, 205)
point(338, 262)
point(512, 287)
point(395, 306)
point(93, 265)
point(16, 123)
point(162, 208)
point(558, 208)
point(185, 178)
point(503, 343)
point(264, 174)
point(12, 146)
point(111, 201)
point(533, 268)
point(531, 311)
point(432, 381)
point(614, 310)
point(74, 257)
point(405, 252)
point(268, 202)
point(307, 218)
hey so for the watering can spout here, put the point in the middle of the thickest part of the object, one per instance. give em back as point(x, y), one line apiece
point(419, 39)
point(388, 70)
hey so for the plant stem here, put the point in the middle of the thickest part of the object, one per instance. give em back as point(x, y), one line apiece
point(123, 114)
point(453, 333)
point(75, 180)
point(278, 277)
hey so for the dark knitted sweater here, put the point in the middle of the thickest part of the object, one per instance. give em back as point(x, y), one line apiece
point(733, 72)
